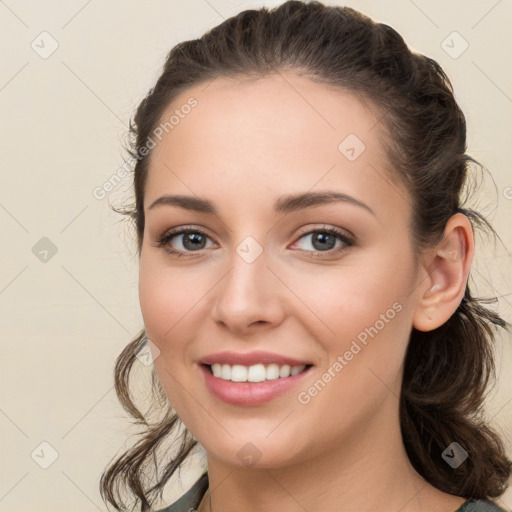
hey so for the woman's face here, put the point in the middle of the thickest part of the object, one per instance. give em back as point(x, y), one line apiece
point(326, 283)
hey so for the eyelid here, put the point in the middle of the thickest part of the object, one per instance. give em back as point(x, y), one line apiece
point(347, 240)
point(166, 237)
point(341, 232)
point(344, 235)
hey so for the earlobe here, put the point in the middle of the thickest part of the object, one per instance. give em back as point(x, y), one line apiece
point(447, 266)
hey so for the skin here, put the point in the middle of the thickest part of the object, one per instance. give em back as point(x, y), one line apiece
point(246, 144)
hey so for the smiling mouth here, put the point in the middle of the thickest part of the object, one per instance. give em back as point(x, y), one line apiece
point(254, 373)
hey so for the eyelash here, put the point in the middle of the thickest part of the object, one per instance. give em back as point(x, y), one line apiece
point(164, 240)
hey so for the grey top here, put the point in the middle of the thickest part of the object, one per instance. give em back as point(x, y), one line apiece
point(191, 499)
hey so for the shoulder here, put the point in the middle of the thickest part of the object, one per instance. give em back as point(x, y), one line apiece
point(191, 499)
point(480, 506)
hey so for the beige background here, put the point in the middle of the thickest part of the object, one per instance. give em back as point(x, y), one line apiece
point(64, 118)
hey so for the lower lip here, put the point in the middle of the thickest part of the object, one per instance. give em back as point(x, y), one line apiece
point(249, 393)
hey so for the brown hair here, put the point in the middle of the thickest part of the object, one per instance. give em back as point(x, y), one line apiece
point(447, 370)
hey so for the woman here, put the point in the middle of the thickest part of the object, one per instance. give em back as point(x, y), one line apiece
point(304, 261)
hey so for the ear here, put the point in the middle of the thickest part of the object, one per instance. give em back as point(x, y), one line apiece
point(446, 274)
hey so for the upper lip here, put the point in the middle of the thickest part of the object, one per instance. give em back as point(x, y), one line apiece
point(250, 358)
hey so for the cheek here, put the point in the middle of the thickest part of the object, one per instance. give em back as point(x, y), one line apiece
point(168, 298)
point(157, 302)
point(174, 307)
point(167, 295)
point(369, 323)
point(162, 305)
point(357, 301)
point(363, 322)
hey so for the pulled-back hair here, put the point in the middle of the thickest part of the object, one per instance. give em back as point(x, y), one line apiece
point(446, 370)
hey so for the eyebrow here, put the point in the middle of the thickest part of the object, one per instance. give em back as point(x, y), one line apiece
point(285, 204)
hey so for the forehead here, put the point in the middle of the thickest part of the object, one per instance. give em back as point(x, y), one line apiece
point(278, 134)
point(271, 112)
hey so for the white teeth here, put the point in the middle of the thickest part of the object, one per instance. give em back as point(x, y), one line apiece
point(284, 371)
point(296, 369)
point(238, 373)
point(254, 373)
point(216, 369)
point(226, 372)
point(272, 372)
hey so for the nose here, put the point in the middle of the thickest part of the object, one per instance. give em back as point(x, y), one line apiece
point(249, 297)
